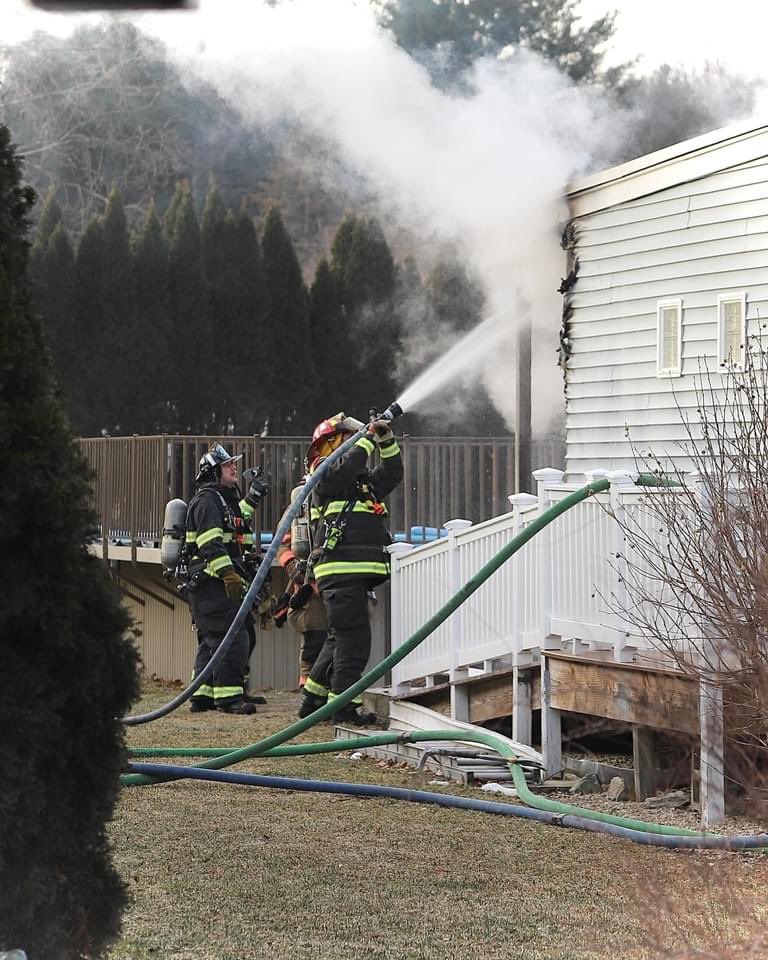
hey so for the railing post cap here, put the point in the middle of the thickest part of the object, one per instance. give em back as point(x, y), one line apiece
point(622, 478)
point(548, 475)
point(522, 499)
point(598, 474)
point(400, 546)
point(457, 524)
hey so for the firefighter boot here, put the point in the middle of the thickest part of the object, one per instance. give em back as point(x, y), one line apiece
point(355, 716)
point(254, 698)
point(309, 703)
point(239, 707)
point(201, 705)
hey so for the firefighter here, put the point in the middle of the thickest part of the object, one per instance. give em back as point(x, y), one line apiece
point(348, 519)
point(301, 604)
point(219, 544)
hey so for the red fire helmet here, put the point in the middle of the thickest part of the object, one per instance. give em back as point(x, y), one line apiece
point(338, 425)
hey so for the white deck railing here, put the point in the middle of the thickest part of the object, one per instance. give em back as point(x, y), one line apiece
point(559, 591)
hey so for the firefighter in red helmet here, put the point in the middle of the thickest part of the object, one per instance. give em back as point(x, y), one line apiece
point(349, 534)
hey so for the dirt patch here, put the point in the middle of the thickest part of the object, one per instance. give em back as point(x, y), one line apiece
point(230, 872)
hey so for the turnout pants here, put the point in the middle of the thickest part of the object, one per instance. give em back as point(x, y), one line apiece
point(312, 642)
point(213, 613)
point(345, 652)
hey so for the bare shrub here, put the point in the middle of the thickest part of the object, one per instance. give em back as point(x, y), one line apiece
point(694, 572)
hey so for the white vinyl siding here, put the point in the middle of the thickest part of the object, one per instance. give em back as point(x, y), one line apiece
point(731, 329)
point(669, 337)
point(691, 243)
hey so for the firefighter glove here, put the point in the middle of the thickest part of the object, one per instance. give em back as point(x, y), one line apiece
point(234, 585)
point(302, 597)
point(257, 488)
point(381, 430)
point(295, 570)
point(280, 611)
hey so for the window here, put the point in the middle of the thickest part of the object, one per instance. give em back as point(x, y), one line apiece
point(731, 328)
point(669, 337)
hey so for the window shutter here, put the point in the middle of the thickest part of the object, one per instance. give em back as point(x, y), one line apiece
point(670, 338)
point(733, 325)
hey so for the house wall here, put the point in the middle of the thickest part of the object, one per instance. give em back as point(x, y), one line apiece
point(694, 241)
point(167, 642)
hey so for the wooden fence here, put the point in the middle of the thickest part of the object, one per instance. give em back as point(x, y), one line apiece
point(444, 477)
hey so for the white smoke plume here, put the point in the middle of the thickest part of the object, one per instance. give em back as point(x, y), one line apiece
point(486, 170)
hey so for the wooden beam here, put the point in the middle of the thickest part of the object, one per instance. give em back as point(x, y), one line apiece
point(651, 698)
point(644, 760)
point(489, 697)
point(459, 703)
point(712, 776)
point(492, 699)
point(551, 726)
point(522, 710)
point(435, 698)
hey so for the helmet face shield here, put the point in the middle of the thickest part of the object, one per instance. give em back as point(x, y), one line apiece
point(326, 446)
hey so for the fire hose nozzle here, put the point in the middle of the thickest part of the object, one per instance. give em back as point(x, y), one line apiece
point(392, 411)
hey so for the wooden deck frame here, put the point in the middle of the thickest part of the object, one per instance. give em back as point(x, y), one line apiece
point(513, 692)
point(648, 697)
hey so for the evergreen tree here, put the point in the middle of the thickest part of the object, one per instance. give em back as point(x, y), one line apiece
point(85, 379)
point(70, 672)
point(235, 278)
point(340, 250)
point(194, 359)
point(118, 368)
point(54, 299)
point(252, 364)
point(219, 247)
point(456, 302)
point(455, 298)
point(287, 332)
point(370, 267)
point(365, 272)
point(336, 388)
point(169, 220)
point(214, 213)
point(150, 342)
point(50, 218)
point(451, 35)
point(417, 336)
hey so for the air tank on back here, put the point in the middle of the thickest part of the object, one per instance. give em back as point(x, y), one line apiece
point(174, 524)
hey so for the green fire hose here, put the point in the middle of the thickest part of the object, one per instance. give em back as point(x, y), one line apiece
point(487, 738)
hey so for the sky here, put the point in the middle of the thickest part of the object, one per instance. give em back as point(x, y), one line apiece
point(681, 32)
point(687, 33)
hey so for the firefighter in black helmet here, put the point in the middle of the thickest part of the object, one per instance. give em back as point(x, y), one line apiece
point(218, 537)
point(349, 521)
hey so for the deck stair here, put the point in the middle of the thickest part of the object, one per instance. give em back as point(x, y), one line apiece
point(463, 761)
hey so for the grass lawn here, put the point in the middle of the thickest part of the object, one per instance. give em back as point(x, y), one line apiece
point(233, 873)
